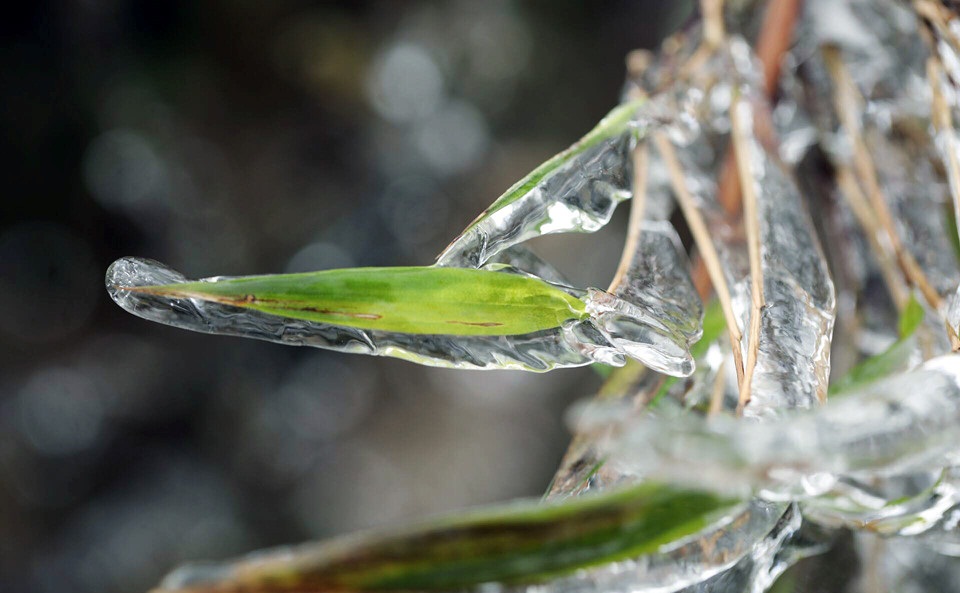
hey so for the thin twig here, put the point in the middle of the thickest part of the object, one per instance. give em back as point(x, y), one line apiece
point(711, 11)
point(739, 129)
point(776, 35)
point(937, 17)
point(713, 29)
point(716, 394)
point(943, 124)
point(701, 236)
point(848, 100)
point(883, 251)
point(637, 210)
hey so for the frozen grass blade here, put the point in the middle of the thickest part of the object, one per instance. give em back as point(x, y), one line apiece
point(575, 191)
point(520, 543)
point(446, 301)
point(889, 361)
point(498, 317)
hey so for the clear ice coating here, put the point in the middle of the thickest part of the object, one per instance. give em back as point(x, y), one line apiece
point(904, 424)
point(657, 280)
point(657, 299)
point(750, 556)
point(768, 559)
point(885, 55)
point(616, 329)
point(796, 324)
point(681, 564)
point(575, 191)
point(328, 565)
point(873, 460)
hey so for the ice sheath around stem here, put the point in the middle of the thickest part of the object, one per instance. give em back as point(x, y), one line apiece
point(904, 424)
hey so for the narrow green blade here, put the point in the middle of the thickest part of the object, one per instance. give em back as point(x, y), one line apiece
point(414, 300)
point(511, 230)
point(521, 543)
point(890, 360)
point(613, 124)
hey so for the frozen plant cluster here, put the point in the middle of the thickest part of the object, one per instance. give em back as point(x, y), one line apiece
point(845, 172)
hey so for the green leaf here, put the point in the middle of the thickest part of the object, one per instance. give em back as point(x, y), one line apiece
point(911, 318)
point(519, 543)
point(950, 222)
point(714, 324)
point(890, 360)
point(614, 124)
point(601, 369)
point(415, 300)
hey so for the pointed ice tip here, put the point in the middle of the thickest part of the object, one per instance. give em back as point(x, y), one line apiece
point(194, 576)
point(127, 274)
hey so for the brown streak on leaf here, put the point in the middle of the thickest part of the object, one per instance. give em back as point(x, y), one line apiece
point(244, 301)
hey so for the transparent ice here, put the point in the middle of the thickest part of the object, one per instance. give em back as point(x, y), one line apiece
point(793, 358)
point(685, 562)
point(617, 328)
point(576, 191)
point(882, 459)
point(904, 424)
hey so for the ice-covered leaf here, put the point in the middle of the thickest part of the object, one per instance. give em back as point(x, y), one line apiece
point(520, 543)
point(495, 318)
point(575, 191)
point(890, 360)
point(426, 300)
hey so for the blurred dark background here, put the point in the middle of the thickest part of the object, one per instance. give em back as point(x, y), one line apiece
point(241, 137)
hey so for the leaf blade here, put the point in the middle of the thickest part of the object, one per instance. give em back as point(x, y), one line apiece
point(413, 300)
point(885, 363)
point(514, 544)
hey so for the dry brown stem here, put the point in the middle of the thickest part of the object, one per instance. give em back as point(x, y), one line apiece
point(740, 129)
point(637, 211)
point(882, 250)
point(848, 102)
point(701, 236)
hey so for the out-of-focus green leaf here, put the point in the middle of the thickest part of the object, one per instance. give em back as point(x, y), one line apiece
point(519, 543)
point(601, 369)
point(714, 325)
point(414, 300)
point(911, 318)
point(883, 364)
point(950, 222)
